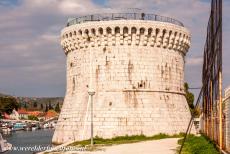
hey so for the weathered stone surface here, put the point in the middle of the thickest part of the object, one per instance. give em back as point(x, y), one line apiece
point(137, 73)
point(226, 101)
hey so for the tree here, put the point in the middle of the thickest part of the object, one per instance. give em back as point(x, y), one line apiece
point(25, 106)
point(7, 104)
point(190, 100)
point(41, 106)
point(57, 108)
point(46, 108)
point(19, 105)
point(189, 96)
point(50, 106)
point(35, 105)
point(32, 117)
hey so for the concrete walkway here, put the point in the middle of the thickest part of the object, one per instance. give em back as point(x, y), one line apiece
point(163, 146)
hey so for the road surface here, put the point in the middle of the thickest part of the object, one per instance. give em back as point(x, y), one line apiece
point(163, 146)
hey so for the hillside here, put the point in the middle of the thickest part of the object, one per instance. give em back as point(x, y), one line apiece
point(36, 103)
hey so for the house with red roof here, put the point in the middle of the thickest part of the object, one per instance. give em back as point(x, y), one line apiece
point(36, 113)
point(51, 114)
point(23, 114)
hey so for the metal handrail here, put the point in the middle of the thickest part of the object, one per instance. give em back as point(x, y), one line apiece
point(123, 16)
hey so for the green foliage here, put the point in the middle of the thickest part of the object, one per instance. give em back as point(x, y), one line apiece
point(7, 104)
point(125, 139)
point(57, 108)
point(50, 106)
point(198, 145)
point(35, 104)
point(190, 100)
point(25, 106)
point(47, 108)
point(23, 118)
point(32, 117)
point(41, 107)
point(189, 96)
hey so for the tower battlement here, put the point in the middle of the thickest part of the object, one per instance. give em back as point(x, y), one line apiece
point(125, 32)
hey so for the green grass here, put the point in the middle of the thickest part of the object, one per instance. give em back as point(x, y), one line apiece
point(198, 145)
point(124, 139)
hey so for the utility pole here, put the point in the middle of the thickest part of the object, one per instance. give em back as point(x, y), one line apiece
point(212, 113)
point(220, 111)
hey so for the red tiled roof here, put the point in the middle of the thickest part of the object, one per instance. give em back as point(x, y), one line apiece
point(6, 116)
point(22, 111)
point(51, 114)
point(35, 113)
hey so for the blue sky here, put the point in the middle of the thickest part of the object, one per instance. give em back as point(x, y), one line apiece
point(100, 2)
point(32, 62)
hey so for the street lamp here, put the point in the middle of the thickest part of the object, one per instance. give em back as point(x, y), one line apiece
point(91, 92)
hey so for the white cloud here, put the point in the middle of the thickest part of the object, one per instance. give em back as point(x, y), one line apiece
point(194, 61)
point(76, 6)
point(51, 38)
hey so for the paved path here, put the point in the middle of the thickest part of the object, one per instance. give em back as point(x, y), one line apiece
point(163, 146)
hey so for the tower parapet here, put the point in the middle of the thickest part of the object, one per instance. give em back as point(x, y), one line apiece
point(126, 33)
point(123, 16)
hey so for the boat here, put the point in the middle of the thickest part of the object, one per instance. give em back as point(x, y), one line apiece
point(18, 126)
point(34, 127)
point(4, 145)
point(27, 128)
point(5, 129)
point(47, 126)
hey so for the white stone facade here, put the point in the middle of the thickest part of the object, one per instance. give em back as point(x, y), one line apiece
point(137, 73)
point(226, 102)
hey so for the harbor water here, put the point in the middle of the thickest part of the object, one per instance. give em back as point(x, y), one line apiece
point(28, 142)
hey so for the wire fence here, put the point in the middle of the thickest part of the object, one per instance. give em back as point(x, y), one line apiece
point(210, 97)
point(123, 16)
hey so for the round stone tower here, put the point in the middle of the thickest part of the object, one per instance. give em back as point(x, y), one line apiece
point(135, 64)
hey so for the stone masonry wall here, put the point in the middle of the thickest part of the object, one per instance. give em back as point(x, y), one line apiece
point(227, 117)
point(137, 73)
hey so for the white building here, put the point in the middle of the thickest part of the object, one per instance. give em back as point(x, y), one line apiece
point(226, 102)
point(14, 115)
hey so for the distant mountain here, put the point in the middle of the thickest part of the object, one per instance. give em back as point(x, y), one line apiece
point(3, 95)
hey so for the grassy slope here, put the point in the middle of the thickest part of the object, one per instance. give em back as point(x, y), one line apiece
point(124, 139)
point(198, 145)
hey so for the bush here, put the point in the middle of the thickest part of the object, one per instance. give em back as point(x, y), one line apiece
point(32, 117)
